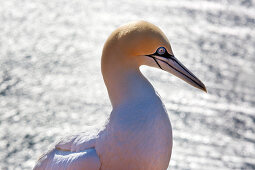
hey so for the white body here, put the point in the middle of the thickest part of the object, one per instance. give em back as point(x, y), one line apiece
point(138, 136)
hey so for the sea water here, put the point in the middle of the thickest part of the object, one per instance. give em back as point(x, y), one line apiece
point(51, 83)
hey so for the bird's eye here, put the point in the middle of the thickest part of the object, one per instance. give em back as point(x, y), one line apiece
point(161, 50)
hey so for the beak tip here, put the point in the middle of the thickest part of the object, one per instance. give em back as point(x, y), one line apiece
point(204, 89)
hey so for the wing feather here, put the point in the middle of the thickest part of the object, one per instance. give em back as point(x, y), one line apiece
point(72, 153)
point(78, 142)
point(59, 160)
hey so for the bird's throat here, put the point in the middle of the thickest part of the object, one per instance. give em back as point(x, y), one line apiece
point(125, 84)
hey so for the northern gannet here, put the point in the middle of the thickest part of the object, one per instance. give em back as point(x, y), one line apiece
point(138, 135)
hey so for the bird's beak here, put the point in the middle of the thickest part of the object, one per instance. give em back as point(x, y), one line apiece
point(170, 64)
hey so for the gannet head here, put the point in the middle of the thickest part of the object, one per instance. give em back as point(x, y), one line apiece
point(142, 43)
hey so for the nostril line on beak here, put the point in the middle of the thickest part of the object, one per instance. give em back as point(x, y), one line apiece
point(154, 58)
point(157, 63)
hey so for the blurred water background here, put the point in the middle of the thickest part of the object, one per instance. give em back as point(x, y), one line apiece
point(51, 83)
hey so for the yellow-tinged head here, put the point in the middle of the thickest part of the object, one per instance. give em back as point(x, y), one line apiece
point(137, 38)
point(142, 43)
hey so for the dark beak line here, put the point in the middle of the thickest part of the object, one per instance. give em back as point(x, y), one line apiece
point(182, 73)
point(155, 59)
point(184, 68)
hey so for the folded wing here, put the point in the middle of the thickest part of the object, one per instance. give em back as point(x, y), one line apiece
point(71, 153)
point(58, 160)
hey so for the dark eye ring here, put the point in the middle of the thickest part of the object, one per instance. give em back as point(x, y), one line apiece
point(161, 50)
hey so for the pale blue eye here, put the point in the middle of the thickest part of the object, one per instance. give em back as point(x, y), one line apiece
point(161, 50)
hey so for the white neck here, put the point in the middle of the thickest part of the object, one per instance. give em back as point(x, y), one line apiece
point(126, 83)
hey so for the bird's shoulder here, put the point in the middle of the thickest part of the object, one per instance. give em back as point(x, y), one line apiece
point(80, 148)
point(78, 142)
point(57, 159)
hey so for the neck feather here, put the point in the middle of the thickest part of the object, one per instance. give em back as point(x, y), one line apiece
point(125, 83)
